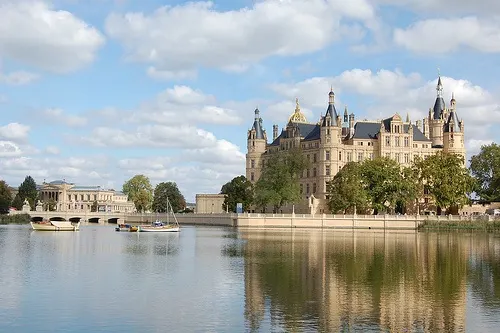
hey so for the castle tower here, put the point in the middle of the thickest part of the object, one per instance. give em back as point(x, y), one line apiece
point(436, 117)
point(331, 137)
point(256, 146)
point(453, 132)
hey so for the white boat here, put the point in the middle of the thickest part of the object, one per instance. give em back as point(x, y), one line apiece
point(55, 226)
point(160, 226)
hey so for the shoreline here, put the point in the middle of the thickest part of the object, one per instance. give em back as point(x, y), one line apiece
point(273, 221)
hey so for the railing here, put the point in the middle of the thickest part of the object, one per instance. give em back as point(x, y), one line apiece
point(372, 217)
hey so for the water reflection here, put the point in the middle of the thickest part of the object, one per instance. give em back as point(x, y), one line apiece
point(157, 244)
point(398, 281)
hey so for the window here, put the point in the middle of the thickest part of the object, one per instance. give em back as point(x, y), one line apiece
point(307, 173)
point(252, 164)
point(314, 187)
point(252, 177)
point(349, 157)
point(301, 188)
point(328, 130)
point(371, 156)
point(327, 155)
point(315, 158)
point(387, 141)
point(407, 141)
point(307, 188)
point(327, 170)
point(407, 158)
point(397, 157)
point(396, 141)
point(340, 156)
point(314, 172)
point(360, 156)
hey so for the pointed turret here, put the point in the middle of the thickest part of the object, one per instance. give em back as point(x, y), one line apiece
point(408, 117)
point(452, 124)
point(439, 105)
point(257, 125)
point(331, 113)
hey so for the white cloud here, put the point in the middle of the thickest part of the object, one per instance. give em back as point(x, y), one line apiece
point(447, 6)
point(9, 149)
point(14, 131)
point(52, 150)
point(448, 35)
point(177, 40)
point(384, 93)
point(473, 146)
point(152, 136)
point(178, 105)
point(33, 33)
point(18, 78)
point(59, 116)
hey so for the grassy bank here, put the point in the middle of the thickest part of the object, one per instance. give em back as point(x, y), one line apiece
point(15, 219)
point(479, 224)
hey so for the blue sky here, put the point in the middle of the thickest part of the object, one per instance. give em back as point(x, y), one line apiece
point(97, 91)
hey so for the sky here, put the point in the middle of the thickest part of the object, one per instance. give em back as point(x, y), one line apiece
point(97, 91)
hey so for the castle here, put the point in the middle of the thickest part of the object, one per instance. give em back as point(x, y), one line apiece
point(335, 140)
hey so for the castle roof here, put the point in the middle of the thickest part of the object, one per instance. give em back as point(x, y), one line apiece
point(370, 130)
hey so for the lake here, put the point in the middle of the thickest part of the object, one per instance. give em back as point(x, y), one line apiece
point(210, 279)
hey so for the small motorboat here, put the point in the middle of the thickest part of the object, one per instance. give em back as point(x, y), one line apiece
point(126, 228)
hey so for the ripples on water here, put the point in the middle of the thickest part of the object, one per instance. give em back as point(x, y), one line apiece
point(223, 280)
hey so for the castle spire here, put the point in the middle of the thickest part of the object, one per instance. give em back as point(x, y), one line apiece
point(331, 96)
point(439, 105)
point(439, 87)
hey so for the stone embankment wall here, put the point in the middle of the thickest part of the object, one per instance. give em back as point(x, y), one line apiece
point(254, 220)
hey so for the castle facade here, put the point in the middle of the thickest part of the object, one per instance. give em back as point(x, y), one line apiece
point(336, 140)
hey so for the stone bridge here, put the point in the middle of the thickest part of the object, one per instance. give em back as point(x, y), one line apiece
point(75, 216)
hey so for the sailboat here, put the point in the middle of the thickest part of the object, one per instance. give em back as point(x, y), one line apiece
point(160, 226)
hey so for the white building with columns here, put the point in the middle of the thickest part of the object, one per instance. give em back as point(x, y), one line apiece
point(71, 197)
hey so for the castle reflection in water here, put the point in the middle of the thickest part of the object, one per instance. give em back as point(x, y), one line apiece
point(398, 281)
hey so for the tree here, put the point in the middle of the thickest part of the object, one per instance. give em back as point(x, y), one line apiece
point(239, 189)
point(485, 167)
point(386, 184)
point(27, 190)
point(346, 190)
point(140, 191)
point(17, 203)
point(279, 182)
point(5, 197)
point(447, 180)
point(168, 190)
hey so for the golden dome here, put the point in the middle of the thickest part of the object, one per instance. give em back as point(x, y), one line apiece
point(297, 116)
